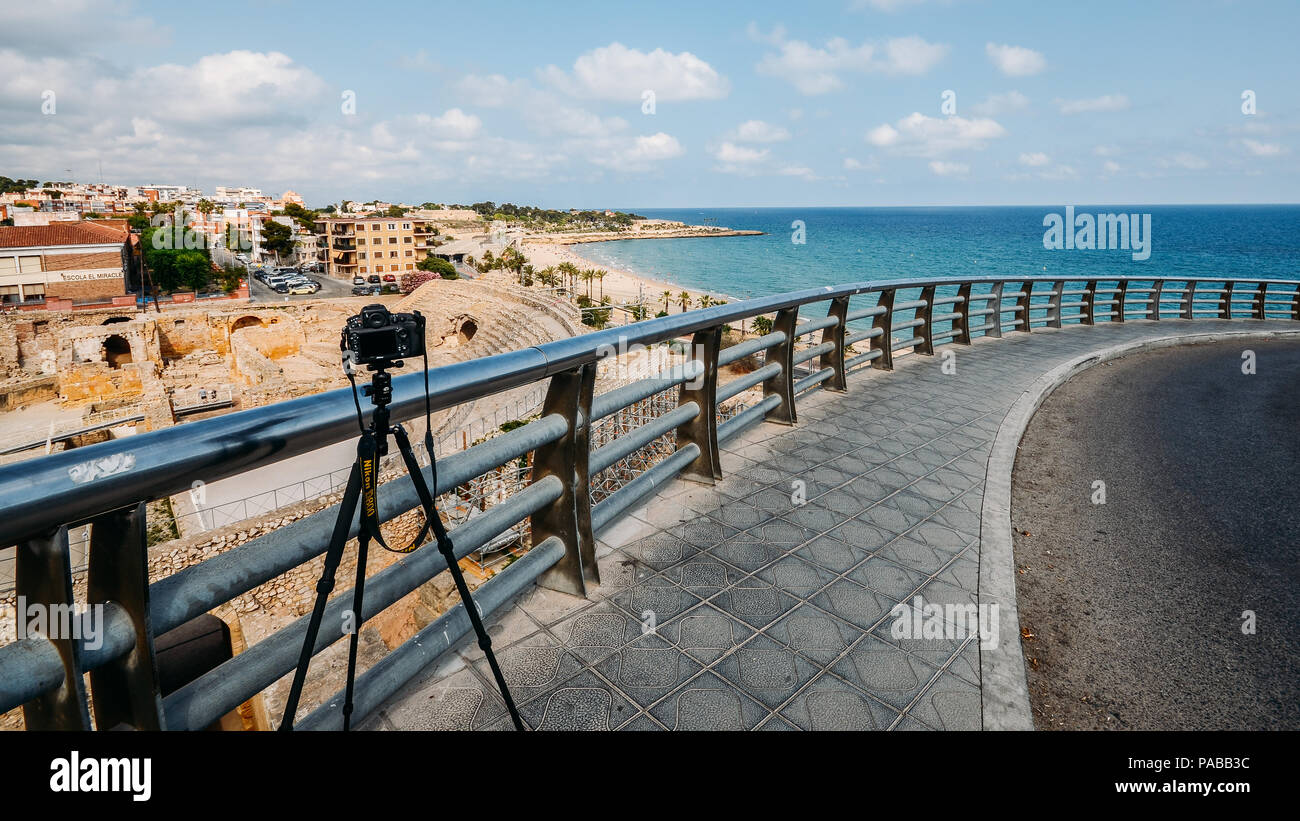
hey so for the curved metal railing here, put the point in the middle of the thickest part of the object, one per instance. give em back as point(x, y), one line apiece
point(107, 485)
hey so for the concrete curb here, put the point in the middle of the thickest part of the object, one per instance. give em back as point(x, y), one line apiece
point(1004, 686)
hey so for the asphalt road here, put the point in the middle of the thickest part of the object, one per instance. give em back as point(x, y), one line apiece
point(1134, 608)
point(330, 288)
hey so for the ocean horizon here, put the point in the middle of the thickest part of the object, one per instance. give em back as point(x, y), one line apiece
point(848, 244)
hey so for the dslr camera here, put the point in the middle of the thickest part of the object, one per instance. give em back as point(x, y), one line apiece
point(377, 336)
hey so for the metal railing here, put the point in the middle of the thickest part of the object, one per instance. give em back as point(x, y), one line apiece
point(107, 485)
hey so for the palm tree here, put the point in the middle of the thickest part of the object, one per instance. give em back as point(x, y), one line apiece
point(588, 274)
point(706, 301)
point(600, 275)
point(762, 325)
point(668, 297)
point(685, 299)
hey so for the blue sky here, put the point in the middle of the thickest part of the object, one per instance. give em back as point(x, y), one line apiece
point(755, 104)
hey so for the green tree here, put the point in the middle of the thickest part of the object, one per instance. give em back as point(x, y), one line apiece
point(439, 266)
point(277, 238)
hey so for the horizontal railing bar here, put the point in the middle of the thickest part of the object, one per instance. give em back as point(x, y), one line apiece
point(390, 673)
point(813, 325)
point(899, 344)
point(863, 336)
point(612, 506)
point(909, 305)
point(861, 358)
point(813, 352)
point(863, 313)
point(743, 383)
point(32, 666)
point(220, 690)
point(813, 380)
point(625, 444)
point(753, 346)
point(747, 417)
point(196, 589)
point(613, 401)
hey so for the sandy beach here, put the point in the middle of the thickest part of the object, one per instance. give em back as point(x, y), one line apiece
point(620, 286)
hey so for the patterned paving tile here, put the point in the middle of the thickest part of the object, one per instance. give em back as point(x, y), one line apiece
point(769, 599)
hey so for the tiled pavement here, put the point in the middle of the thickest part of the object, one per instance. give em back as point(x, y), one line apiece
point(735, 607)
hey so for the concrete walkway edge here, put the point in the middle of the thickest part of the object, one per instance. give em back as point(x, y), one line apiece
point(1004, 686)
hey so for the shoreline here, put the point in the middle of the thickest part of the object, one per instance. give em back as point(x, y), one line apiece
point(621, 285)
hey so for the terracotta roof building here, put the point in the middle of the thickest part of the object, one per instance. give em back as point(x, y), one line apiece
point(80, 261)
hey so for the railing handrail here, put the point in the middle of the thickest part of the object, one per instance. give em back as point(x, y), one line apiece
point(566, 451)
point(166, 461)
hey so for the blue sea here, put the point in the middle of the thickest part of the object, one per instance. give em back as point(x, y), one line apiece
point(855, 244)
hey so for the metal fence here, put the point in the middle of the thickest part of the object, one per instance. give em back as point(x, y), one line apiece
point(566, 446)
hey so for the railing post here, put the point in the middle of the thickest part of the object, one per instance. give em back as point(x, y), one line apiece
point(961, 323)
point(1090, 302)
point(927, 328)
point(569, 517)
point(1157, 287)
point(995, 319)
point(1225, 307)
point(43, 579)
point(1257, 305)
point(125, 692)
point(1054, 301)
point(1188, 305)
point(884, 342)
point(1295, 304)
point(702, 431)
point(835, 334)
point(782, 384)
point(1023, 303)
point(1121, 294)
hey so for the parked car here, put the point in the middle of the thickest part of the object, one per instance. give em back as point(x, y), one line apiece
point(302, 288)
point(373, 279)
point(364, 290)
point(390, 278)
point(281, 288)
point(358, 280)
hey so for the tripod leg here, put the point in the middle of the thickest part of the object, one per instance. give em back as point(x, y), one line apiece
point(363, 545)
point(453, 566)
point(333, 555)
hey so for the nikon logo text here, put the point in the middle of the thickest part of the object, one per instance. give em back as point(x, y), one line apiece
point(128, 775)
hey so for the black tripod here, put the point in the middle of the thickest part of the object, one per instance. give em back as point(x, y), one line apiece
point(363, 485)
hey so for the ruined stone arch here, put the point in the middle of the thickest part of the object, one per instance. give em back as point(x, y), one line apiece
point(117, 351)
point(247, 321)
point(113, 319)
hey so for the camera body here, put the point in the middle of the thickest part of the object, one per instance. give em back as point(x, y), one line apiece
point(378, 336)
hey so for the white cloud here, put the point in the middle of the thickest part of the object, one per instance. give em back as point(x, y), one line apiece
point(854, 164)
point(616, 72)
point(455, 124)
point(757, 131)
point(922, 136)
point(1107, 102)
point(738, 158)
point(1260, 149)
point(949, 169)
point(996, 104)
point(883, 135)
point(1105, 151)
point(1111, 167)
point(1015, 61)
point(638, 153)
point(814, 70)
point(1035, 159)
